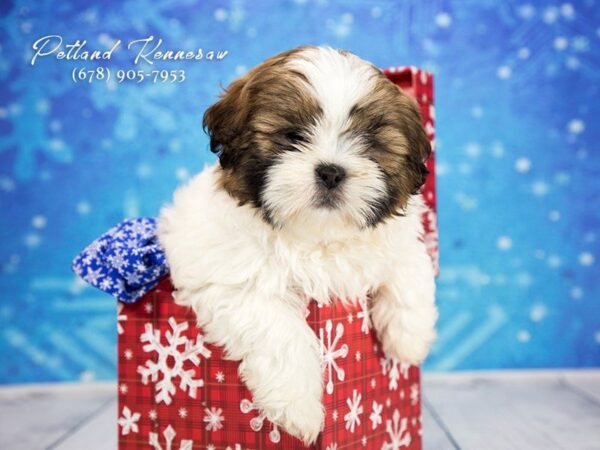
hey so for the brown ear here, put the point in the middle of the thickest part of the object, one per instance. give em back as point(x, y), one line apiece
point(418, 143)
point(224, 122)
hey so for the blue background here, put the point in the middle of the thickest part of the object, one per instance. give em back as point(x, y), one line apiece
point(517, 107)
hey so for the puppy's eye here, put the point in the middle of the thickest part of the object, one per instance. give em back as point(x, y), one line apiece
point(295, 137)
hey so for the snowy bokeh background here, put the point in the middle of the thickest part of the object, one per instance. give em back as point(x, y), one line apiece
point(517, 108)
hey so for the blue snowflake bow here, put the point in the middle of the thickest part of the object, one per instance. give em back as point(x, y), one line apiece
point(125, 262)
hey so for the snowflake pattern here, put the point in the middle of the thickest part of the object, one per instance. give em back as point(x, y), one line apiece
point(397, 432)
point(169, 436)
point(364, 315)
point(171, 359)
point(256, 423)
point(128, 421)
point(213, 418)
point(393, 368)
point(330, 353)
point(352, 417)
point(120, 318)
point(375, 416)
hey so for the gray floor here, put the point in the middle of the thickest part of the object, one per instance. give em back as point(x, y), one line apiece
point(467, 411)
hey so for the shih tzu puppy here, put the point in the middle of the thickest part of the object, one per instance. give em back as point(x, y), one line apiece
point(315, 197)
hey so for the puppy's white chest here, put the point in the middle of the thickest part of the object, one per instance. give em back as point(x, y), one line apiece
point(348, 272)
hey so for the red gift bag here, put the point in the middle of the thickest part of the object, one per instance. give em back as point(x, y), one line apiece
point(177, 393)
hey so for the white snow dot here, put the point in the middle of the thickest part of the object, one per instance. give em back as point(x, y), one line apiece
point(523, 336)
point(576, 126)
point(554, 215)
point(38, 221)
point(523, 165)
point(504, 243)
point(498, 150)
point(597, 337)
point(581, 43)
point(504, 72)
point(182, 173)
point(87, 375)
point(589, 237)
point(7, 184)
point(240, 69)
point(526, 11)
point(576, 293)
point(376, 12)
point(538, 312)
point(443, 20)
point(554, 261)
point(539, 188)
point(473, 149)
point(560, 43)
point(144, 170)
point(221, 14)
point(550, 15)
point(567, 10)
point(347, 18)
point(477, 112)
point(32, 240)
point(586, 259)
point(83, 208)
point(572, 63)
point(523, 53)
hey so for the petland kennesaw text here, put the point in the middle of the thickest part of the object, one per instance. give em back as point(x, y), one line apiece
point(147, 50)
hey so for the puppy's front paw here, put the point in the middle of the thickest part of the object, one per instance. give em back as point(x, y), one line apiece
point(405, 333)
point(288, 388)
point(303, 419)
point(405, 346)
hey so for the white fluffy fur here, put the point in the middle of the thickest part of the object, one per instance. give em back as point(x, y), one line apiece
point(249, 282)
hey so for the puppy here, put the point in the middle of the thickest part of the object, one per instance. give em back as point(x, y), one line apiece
point(315, 196)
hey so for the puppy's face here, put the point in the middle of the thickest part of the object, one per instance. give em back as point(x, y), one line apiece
point(319, 136)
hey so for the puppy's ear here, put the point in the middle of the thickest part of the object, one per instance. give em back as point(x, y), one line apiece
point(224, 122)
point(418, 143)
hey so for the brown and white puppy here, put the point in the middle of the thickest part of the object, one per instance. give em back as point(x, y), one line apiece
point(315, 196)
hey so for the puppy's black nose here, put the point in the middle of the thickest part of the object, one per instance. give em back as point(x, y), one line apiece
point(331, 175)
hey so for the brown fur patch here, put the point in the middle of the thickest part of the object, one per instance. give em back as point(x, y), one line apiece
point(258, 116)
point(390, 124)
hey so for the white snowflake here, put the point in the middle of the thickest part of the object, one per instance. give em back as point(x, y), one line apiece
point(220, 377)
point(330, 352)
point(169, 435)
point(120, 318)
point(123, 388)
point(256, 423)
point(393, 368)
point(332, 446)
point(363, 314)
point(152, 414)
point(170, 360)
point(148, 308)
point(375, 416)
point(414, 393)
point(213, 418)
point(182, 412)
point(352, 417)
point(128, 354)
point(128, 421)
point(397, 432)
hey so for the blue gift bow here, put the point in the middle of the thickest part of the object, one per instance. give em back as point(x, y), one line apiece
point(125, 262)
